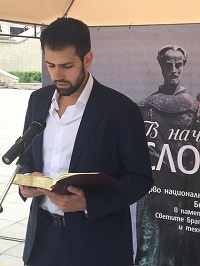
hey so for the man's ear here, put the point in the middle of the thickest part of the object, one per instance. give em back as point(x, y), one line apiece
point(88, 59)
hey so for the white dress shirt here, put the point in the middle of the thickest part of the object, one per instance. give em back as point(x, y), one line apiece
point(59, 138)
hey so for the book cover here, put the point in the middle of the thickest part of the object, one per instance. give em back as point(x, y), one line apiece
point(60, 183)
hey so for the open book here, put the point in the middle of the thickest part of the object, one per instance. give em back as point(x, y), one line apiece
point(60, 184)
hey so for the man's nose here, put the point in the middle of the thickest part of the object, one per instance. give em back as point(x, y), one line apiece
point(58, 74)
point(173, 68)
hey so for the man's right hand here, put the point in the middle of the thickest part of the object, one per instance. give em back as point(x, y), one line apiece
point(30, 192)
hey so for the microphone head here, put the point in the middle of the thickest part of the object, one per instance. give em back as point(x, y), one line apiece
point(22, 143)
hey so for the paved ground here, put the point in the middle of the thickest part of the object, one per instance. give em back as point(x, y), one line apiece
point(13, 219)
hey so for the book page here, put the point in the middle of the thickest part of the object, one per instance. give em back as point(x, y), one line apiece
point(34, 181)
point(66, 175)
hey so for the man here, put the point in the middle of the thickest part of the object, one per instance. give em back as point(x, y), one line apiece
point(90, 128)
point(172, 119)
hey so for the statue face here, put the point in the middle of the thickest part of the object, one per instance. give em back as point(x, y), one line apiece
point(172, 67)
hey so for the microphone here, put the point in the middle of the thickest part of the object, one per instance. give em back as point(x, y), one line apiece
point(22, 143)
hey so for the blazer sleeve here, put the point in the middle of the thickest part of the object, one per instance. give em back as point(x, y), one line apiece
point(135, 168)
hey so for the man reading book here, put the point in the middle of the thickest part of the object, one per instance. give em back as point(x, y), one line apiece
point(90, 128)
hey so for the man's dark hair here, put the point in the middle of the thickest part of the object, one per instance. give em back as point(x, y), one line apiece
point(67, 32)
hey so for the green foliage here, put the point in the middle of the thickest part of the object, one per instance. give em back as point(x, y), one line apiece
point(28, 76)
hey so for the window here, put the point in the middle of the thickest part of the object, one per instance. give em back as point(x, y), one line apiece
point(16, 30)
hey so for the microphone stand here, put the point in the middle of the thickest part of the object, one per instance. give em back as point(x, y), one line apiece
point(19, 164)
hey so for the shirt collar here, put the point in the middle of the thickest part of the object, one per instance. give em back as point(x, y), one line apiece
point(83, 98)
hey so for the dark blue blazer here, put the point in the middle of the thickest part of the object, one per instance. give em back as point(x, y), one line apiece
point(111, 139)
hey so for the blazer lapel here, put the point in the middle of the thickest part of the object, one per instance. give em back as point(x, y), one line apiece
point(93, 111)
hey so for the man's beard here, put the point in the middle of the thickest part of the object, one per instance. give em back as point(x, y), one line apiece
point(71, 88)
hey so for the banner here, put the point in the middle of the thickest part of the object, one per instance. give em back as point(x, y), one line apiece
point(166, 222)
point(168, 217)
point(167, 231)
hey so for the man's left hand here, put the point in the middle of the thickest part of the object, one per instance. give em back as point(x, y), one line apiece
point(68, 203)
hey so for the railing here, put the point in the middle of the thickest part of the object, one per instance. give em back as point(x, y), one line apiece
point(27, 34)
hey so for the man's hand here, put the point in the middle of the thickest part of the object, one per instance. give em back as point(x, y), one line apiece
point(67, 203)
point(29, 192)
